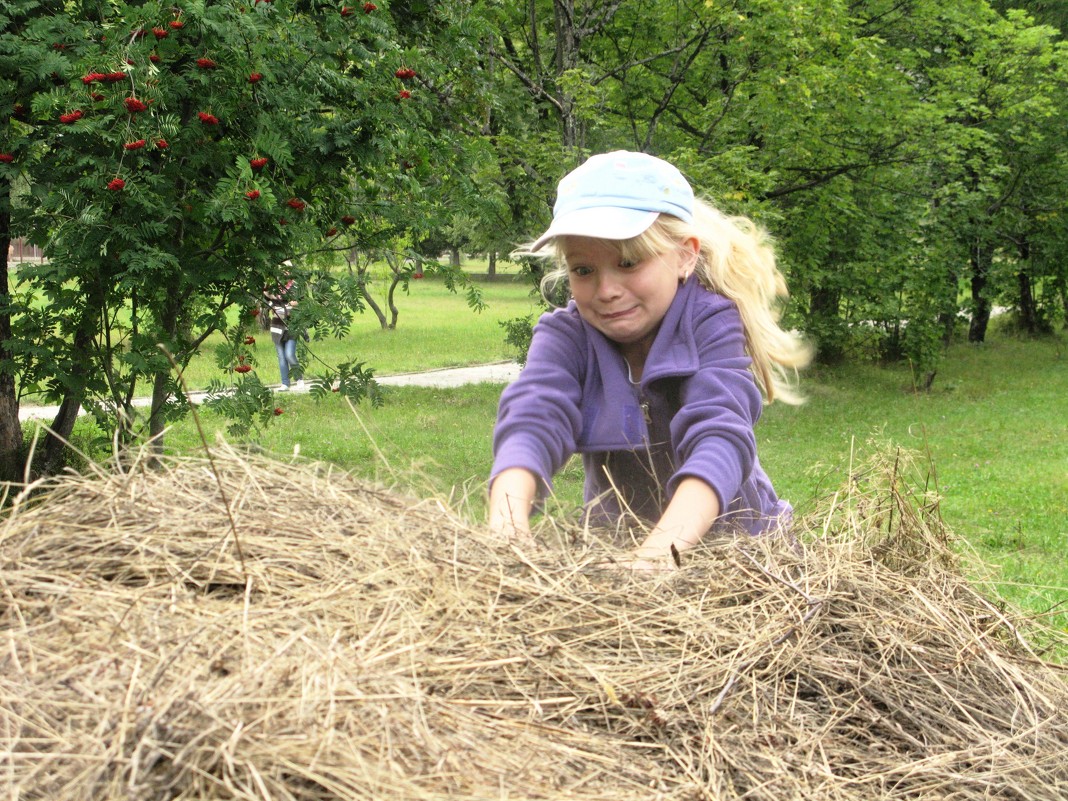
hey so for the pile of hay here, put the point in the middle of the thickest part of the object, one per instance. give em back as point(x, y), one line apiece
point(257, 630)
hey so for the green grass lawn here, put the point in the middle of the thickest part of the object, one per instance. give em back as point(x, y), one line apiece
point(994, 428)
point(995, 431)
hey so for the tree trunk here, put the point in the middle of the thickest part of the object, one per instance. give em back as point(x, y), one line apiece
point(1028, 310)
point(156, 423)
point(396, 270)
point(359, 268)
point(172, 321)
point(11, 458)
point(381, 315)
point(980, 262)
point(823, 310)
point(567, 57)
point(1030, 319)
point(491, 265)
point(55, 443)
point(394, 312)
point(950, 307)
point(1062, 287)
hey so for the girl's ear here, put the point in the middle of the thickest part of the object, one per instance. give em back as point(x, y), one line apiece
point(689, 250)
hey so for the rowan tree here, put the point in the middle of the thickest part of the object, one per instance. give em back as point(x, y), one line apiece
point(169, 158)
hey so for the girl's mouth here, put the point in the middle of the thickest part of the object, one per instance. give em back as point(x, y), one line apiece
point(616, 315)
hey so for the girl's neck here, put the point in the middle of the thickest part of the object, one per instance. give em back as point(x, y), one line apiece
point(634, 354)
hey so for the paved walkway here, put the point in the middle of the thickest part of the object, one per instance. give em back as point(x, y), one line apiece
point(497, 373)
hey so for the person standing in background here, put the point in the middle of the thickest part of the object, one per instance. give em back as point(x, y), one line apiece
point(281, 300)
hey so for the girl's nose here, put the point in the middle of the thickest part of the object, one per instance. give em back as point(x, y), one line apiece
point(608, 286)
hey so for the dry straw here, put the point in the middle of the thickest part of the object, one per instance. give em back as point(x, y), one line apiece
point(369, 646)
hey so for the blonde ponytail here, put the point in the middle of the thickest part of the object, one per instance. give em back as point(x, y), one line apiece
point(738, 261)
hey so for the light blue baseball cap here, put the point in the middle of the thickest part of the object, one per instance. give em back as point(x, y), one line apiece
point(617, 195)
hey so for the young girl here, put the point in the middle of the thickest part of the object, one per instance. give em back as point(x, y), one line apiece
point(655, 368)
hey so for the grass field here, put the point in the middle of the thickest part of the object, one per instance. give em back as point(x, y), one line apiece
point(993, 432)
point(436, 328)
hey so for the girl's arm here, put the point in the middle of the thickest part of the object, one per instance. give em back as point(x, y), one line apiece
point(538, 421)
point(693, 509)
point(714, 427)
point(511, 499)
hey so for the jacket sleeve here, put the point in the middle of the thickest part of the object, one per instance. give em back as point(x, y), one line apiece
point(720, 405)
point(539, 417)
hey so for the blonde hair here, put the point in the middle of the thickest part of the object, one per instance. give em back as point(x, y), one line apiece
point(736, 260)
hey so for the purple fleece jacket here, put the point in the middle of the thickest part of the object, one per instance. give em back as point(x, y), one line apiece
point(692, 414)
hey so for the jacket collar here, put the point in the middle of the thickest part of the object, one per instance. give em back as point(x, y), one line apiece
point(674, 350)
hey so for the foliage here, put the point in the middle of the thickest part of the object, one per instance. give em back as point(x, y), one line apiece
point(897, 151)
point(171, 158)
point(518, 332)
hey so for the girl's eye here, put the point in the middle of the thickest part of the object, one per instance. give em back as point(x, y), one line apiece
point(626, 264)
point(581, 270)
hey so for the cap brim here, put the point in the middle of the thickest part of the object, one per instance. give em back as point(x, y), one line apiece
point(601, 222)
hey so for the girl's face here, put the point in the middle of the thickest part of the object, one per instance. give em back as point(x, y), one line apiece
point(625, 300)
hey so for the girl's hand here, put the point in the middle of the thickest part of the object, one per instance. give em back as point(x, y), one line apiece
point(692, 511)
point(511, 499)
point(510, 530)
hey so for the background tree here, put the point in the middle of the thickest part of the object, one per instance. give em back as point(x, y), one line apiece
point(175, 157)
point(848, 129)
